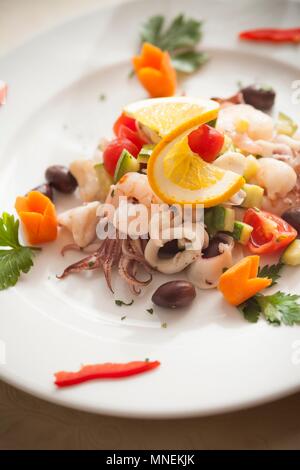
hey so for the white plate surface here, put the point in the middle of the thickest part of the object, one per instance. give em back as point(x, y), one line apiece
point(212, 359)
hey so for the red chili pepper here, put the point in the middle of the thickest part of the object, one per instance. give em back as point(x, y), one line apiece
point(272, 35)
point(103, 371)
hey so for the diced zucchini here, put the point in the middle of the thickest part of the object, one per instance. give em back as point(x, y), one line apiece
point(254, 196)
point(291, 255)
point(251, 168)
point(286, 125)
point(242, 232)
point(208, 221)
point(145, 153)
point(126, 164)
point(223, 218)
point(104, 178)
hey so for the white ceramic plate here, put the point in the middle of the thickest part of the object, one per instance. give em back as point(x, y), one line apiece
point(212, 359)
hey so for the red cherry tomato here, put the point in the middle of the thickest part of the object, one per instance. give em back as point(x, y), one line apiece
point(270, 232)
point(207, 142)
point(126, 121)
point(113, 151)
point(125, 127)
point(126, 133)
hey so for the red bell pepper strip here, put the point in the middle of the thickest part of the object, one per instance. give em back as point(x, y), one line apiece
point(103, 371)
point(270, 232)
point(291, 35)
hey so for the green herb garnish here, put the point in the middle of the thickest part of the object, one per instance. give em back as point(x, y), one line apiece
point(272, 272)
point(164, 325)
point(119, 303)
point(15, 258)
point(278, 308)
point(179, 39)
point(150, 310)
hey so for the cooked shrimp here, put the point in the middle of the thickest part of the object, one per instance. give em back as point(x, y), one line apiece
point(276, 177)
point(134, 186)
point(244, 119)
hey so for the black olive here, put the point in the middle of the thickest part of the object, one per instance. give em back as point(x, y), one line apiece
point(213, 248)
point(259, 96)
point(45, 189)
point(61, 179)
point(292, 217)
point(174, 294)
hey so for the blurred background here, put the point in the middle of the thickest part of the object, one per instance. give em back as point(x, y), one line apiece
point(29, 423)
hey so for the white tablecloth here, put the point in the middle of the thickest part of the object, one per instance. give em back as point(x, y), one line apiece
point(29, 423)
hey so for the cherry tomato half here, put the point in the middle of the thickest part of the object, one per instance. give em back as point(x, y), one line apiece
point(207, 142)
point(125, 128)
point(113, 151)
point(126, 133)
point(270, 232)
point(126, 121)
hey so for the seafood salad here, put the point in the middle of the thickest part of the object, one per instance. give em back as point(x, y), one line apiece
point(201, 187)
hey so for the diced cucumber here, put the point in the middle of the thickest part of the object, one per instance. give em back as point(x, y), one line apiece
point(126, 164)
point(208, 221)
point(286, 125)
point(242, 232)
point(254, 196)
point(223, 219)
point(145, 153)
point(105, 180)
point(291, 255)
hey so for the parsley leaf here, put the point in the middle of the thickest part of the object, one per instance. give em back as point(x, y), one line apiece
point(272, 272)
point(250, 309)
point(151, 30)
point(179, 39)
point(189, 61)
point(15, 258)
point(280, 308)
point(277, 308)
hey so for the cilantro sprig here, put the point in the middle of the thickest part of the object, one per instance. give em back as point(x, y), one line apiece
point(180, 39)
point(278, 308)
point(14, 258)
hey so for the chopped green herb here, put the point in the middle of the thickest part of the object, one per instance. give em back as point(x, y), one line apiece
point(150, 310)
point(164, 325)
point(272, 272)
point(179, 39)
point(112, 193)
point(120, 303)
point(147, 359)
point(91, 264)
point(15, 258)
point(123, 318)
point(102, 97)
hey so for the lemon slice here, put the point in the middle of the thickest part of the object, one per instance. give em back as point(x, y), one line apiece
point(179, 176)
point(159, 116)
